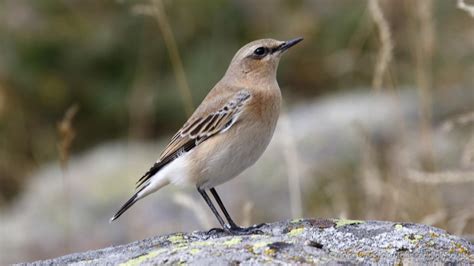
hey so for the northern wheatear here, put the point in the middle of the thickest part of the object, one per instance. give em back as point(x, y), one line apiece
point(227, 133)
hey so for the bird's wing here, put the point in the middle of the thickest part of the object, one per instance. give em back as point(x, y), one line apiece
point(200, 127)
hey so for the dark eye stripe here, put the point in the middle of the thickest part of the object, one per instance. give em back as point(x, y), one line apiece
point(274, 49)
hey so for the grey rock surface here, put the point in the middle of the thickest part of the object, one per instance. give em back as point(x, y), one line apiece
point(305, 241)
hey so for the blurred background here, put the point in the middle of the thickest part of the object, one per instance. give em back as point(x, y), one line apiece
point(377, 123)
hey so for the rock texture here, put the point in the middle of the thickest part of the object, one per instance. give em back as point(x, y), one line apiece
point(305, 241)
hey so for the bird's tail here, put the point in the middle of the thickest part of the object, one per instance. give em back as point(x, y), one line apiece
point(146, 189)
point(125, 207)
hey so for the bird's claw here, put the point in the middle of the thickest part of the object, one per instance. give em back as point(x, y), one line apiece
point(236, 230)
point(258, 225)
point(214, 231)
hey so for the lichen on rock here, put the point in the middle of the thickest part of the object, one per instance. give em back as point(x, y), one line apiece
point(306, 241)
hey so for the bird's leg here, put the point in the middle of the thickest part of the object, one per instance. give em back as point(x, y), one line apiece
point(233, 228)
point(213, 209)
point(232, 224)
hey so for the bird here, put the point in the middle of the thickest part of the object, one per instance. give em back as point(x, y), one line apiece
point(226, 134)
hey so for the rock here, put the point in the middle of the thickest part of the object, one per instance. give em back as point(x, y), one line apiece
point(305, 241)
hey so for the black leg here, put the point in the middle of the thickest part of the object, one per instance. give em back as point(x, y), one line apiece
point(233, 227)
point(221, 205)
point(213, 209)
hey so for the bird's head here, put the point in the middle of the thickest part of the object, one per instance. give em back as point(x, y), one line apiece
point(259, 59)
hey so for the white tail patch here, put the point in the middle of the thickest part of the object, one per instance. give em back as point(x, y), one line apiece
point(175, 172)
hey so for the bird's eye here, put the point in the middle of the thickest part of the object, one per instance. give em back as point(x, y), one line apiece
point(260, 51)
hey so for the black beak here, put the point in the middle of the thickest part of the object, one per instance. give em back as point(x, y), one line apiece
point(286, 45)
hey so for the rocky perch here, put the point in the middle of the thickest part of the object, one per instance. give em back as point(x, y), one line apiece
point(305, 241)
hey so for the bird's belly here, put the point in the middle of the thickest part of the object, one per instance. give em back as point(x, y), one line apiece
point(234, 153)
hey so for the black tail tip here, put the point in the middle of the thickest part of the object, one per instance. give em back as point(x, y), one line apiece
point(112, 219)
point(125, 207)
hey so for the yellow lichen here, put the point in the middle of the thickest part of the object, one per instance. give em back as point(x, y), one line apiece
point(194, 251)
point(296, 231)
point(344, 222)
point(361, 254)
point(367, 254)
point(233, 241)
point(269, 252)
point(175, 239)
point(249, 248)
point(139, 260)
point(178, 242)
point(295, 221)
point(458, 248)
point(202, 243)
point(178, 247)
point(413, 238)
point(398, 227)
point(260, 244)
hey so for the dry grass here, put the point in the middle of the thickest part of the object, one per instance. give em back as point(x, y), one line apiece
point(175, 57)
point(386, 44)
point(424, 37)
point(468, 8)
point(383, 192)
point(2, 100)
point(66, 133)
point(156, 9)
point(371, 174)
point(392, 183)
point(467, 159)
point(458, 121)
point(290, 153)
point(462, 120)
point(441, 177)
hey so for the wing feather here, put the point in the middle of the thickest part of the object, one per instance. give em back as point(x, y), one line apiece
point(196, 130)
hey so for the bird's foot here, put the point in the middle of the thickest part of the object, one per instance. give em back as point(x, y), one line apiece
point(214, 231)
point(237, 230)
